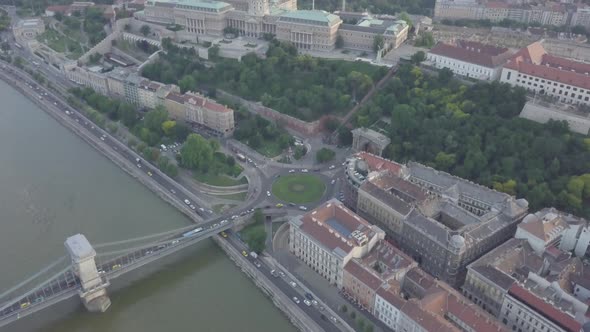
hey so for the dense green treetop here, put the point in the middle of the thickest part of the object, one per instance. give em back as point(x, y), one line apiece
point(474, 132)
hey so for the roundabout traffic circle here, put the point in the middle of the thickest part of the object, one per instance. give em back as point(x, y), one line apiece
point(298, 188)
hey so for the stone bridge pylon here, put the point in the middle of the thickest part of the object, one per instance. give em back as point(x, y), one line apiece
point(93, 291)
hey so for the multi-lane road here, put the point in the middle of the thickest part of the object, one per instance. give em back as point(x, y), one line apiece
point(326, 321)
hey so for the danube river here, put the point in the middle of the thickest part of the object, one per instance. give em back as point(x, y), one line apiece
point(52, 185)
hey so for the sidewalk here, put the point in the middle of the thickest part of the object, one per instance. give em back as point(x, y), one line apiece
point(329, 294)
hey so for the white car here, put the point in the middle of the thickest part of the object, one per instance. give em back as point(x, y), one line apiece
point(296, 300)
point(302, 208)
point(187, 202)
point(223, 221)
point(268, 193)
point(293, 284)
point(192, 207)
point(307, 303)
point(291, 171)
point(138, 165)
point(102, 138)
point(305, 170)
point(333, 181)
point(332, 167)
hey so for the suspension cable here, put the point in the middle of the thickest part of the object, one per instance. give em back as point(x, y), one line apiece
point(24, 282)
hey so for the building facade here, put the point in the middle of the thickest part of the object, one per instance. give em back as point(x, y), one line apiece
point(530, 282)
point(308, 30)
point(470, 59)
point(539, 72)
point(548, 13)
point(328, 237)
point(442, 221)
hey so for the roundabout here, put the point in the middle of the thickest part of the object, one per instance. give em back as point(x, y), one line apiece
point(298, 188)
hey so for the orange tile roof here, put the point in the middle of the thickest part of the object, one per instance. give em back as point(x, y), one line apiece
point(549, 311)
point(533, 60)
point(377, 163)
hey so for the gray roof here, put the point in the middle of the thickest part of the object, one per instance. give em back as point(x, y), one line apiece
point(466, 187)
point(310, 16)
point(429, 227)
point(391, 200)
point(352, 27)
point(494, 275)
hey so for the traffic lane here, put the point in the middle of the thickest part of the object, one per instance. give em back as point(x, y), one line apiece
point(113, 143)
point(284, 286)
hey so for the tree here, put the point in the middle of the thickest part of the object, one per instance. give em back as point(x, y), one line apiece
point(153, 119)
point(405, 17)
point(445, 75)
point(369, 328)
point(168, 127)
point(258, 216)
point(343, 308)
point(418, 57)
point(163, 163)
point(171, 170)
point(58, 16)
point(378, 43)
point(339, 41)
point(360, 322)
point(256, 240)
point(127, 114)
point(145, 30)
point(426, 39)
point(324, 155)
point(196, 153)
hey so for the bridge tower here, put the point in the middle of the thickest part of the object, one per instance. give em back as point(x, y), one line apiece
point(93, 292)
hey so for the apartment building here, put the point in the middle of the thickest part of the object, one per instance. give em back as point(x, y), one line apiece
point(328, 237)
point(91, 77)
point(469, 59)
point(537, 71)
point(442, 221)
point(361, 36)
point(384, 265)
point(545, 13)
point(581, 17)
point(534, 283)
point(196, 109)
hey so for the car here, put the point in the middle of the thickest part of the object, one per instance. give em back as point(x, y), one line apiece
point(224, 234)
point(223, 221)
point(296, 300)
point(149, 173)
point(293, 284)
point(305, 170)
point(334, 319)
point(307, 303)
point(333, 181)
point(137, 160)
point(138, 165)
point(314, 302)
point(175, 242)
point(192, 207)
point(282, 274)
point(302, 208)
point(274, 273)
point(149, 252)
point(173, 191)
point(234, 217)
point(244, 253)
point(54, 103)
point(215, 225)
point(332, 167)
point(101, 272)
point(268, 193)
point(344, 163)
point(187, 202)
point(291, 171)
point(101, 138)
point(309, 296)
point(25, 305)
point(201, 209)
point(280, 205)
point(116, 266)
point(257, 264)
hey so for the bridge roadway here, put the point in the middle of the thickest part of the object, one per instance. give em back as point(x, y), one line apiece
point(65, 284)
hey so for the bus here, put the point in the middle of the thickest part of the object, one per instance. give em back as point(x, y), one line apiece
point(241, 157)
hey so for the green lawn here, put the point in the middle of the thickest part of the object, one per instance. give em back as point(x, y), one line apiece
point(237, 197)
point(222, 207)
point(298, 188)
point(220, 180)
point(60, 43)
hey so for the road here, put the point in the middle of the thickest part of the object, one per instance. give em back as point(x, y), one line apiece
point(180, 193)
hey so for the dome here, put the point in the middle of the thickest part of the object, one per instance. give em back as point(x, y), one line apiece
point(457, 241)
point(529, 218)
point(361, 166)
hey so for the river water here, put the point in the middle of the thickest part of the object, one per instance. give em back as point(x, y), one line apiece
point(53, 184)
